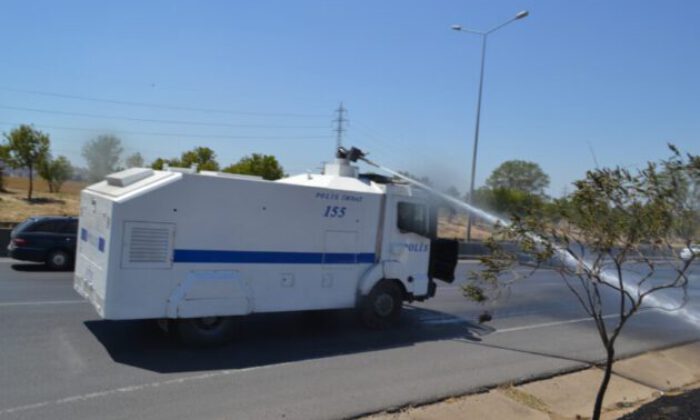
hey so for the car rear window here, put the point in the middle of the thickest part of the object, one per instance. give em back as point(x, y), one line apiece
point(23, 225)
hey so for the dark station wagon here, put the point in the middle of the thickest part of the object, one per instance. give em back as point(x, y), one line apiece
point(47, 239)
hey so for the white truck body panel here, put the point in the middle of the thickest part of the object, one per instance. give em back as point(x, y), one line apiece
point(177, 245)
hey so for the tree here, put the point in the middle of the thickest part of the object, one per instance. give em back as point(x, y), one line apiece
point(27, 148)
point(56, 172)
point(4, 159)
point(265, 166)
point(102, 155)
point(615, 220)
point(506, 200)
point(519, 175)
point(202, 158)
point(135, 161)
point(159, 164)
point(687, 191)
point(452, 191)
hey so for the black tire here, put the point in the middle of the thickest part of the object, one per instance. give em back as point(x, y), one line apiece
point(59, 259)
point(204, 332)
point(381, 309)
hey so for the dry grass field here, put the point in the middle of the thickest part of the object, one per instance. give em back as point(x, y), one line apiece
point(455, 227)
point(14, 206)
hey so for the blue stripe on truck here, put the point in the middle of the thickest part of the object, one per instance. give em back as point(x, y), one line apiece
point(269, 257)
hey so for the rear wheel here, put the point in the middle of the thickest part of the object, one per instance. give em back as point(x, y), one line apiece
point(381, 309)
point(205, 331)
point(58, 260)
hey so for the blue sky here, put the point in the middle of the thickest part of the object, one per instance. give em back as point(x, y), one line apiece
point(619, 78)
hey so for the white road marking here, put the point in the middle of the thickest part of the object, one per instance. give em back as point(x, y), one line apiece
point(556, 323)
point(41, 302)
point(455, 320)
point(133, 388)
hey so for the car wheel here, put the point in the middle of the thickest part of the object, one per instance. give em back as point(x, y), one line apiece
point(205, 331)
point(381, 309)
point(58, 260)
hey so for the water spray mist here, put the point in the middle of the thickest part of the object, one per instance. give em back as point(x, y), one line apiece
point(566, 258)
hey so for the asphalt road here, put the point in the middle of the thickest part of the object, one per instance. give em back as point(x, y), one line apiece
point(58, 360)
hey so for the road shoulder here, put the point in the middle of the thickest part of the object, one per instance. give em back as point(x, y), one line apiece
point(637, 381)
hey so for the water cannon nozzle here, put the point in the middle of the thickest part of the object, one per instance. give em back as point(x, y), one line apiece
point(353, 155)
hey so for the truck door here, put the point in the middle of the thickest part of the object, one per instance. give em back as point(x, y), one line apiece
point(411, 243)
point(444, 253)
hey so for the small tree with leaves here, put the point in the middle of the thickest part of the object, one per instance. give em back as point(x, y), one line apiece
point(27, 148)
point(134, 160)
point(507, 201)
point(519, 175)
point(159, 163)
point(4, 159)
point(614, 218)
point(452, 191)
point(56, 172)
point(265, 166)
point(102, 155)
point(202, 158)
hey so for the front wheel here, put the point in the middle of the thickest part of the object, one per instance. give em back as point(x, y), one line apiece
point(381, 309)
point(205, 331)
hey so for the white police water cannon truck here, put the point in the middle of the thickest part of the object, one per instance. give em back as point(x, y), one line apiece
point(195, 250)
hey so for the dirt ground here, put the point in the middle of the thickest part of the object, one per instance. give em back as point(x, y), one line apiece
point(681, 406)
point(455, 227)
point(14, 206)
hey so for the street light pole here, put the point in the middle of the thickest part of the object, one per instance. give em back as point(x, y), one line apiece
point(484, 36)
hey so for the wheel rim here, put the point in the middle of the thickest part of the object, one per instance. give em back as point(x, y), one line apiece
point(58, 259)
point(384, 305)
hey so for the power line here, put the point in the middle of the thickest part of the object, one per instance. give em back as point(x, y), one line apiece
point(191, 136)
point(162, 106)
point(372, 137)
point(151, 120)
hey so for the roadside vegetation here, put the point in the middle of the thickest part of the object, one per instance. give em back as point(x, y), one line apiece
point(614, 218)
point(27, 151)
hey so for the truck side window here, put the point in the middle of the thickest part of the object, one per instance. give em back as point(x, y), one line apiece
point(412, 218)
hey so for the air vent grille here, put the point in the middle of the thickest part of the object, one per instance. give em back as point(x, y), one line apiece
point(148, 245)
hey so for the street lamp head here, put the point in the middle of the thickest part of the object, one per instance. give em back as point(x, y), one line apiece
point(456, 27)
point(522, 14)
